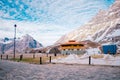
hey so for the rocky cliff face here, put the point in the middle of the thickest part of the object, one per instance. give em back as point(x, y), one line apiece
point(103, 28)
point(23, 44)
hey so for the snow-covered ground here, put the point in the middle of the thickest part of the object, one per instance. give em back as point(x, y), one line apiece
point(93, 51)
point(23, 71)
point(74, 59)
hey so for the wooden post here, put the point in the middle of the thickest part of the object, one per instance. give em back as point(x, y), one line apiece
point(40, 60)
point(66, 53)
point(21, 57)
point(55, 54)
point(6, 57)
point(89, 60)
point(1, 56)
point(50, 59)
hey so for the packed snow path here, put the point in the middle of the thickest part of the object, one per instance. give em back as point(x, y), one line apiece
point(24, 71)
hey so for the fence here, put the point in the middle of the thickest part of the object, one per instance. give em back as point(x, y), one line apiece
point(45, 59)
point(30, 58)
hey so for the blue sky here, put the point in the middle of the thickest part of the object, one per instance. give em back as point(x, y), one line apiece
point(47, 20)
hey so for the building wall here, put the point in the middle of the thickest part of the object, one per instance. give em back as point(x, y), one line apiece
point(72, 51)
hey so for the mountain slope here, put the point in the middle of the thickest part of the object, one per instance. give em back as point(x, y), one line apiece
point(22, 44)
point(103, 28)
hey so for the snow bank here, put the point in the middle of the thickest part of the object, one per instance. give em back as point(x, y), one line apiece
point(85, 56)
point(106, 60)
point(107, 56)
point(93, 51)
point(72, 58)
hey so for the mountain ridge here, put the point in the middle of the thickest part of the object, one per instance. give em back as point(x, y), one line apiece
point(23, 44)
point(97, 29)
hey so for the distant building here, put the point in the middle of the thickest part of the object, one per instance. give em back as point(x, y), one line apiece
point(109, 49)
point(72, 47)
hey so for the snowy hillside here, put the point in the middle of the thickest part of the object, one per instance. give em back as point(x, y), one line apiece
point(103, 28)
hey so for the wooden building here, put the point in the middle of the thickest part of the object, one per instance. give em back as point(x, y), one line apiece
point(71, 47)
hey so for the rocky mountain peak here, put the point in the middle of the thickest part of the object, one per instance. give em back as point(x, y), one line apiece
point(24, 43)
point(26, 37)
point(107, 15)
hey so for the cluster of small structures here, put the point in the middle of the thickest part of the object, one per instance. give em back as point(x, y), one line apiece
point(104, 54)
point(79, 47)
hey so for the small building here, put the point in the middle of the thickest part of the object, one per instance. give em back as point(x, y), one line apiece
point(109, 49)
point(72, 47)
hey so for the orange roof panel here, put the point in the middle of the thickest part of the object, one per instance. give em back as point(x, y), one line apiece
point(71, 42)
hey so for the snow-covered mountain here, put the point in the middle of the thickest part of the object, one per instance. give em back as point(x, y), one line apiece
point(103, 28)
point(23, 44)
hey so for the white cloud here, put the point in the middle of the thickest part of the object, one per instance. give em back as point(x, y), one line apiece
point(44, 33)
point(47, 20)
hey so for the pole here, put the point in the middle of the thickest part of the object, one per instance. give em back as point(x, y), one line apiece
point(1, 56)
point(6, 57)
point(14, 40)
point(21, 57)
point(89, 60)
point(50, 59)
point(40, 60)
point(4, 47)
